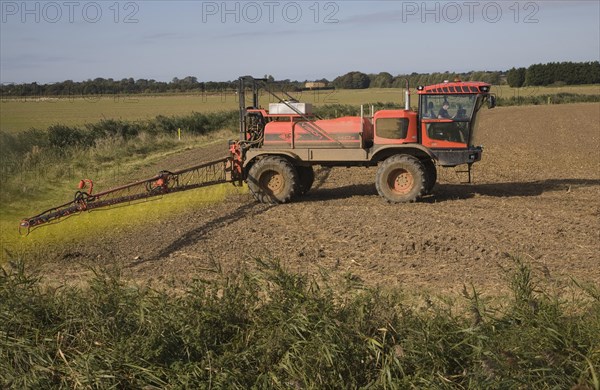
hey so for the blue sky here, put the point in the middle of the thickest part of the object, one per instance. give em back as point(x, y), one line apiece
point(49, 41)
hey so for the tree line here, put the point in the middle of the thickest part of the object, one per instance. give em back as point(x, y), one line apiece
point(359, 80)
point(555, 73)
point(535, 75)
point(101, 86)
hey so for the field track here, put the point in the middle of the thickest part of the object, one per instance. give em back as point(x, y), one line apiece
point(535, 196)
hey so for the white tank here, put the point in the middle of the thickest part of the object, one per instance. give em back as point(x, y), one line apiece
point(285, 109)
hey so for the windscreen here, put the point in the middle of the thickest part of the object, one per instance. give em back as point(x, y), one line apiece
point(455, 107)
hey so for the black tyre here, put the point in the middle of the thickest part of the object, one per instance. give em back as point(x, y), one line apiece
point(272, 180)
point(400, 179)
point(306, 178)
point(430, 176)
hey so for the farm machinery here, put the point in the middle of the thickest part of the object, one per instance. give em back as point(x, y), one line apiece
point(278, 148)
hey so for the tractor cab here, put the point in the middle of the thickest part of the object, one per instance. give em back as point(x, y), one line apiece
point(448, 116)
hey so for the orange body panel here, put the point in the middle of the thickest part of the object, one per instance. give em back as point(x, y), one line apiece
point(411, 134)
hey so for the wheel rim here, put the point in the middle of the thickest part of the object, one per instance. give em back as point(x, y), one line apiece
point(401, 181)
point(272, 181)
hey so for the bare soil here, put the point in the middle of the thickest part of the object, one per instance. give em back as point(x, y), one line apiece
point(535, 196)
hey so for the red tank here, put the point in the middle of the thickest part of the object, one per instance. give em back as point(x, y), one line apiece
point(325, 133)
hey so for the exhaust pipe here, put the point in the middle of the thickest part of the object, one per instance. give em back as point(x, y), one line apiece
point(407, 97)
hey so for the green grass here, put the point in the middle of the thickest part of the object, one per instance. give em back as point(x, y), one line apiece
point(271, 329)
point(48, 179)
point(25, 113)
point(117, 219)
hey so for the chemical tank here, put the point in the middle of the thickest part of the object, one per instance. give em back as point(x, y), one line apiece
point(349, 131)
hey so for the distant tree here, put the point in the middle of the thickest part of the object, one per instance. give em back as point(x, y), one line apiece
point(382, 80)
point(489, 77)
point(563, 73)
point(190, 80)
point(516, 77)
point(352, 80)
point(538, 74)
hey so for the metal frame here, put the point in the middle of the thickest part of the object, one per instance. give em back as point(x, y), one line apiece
point(202, 175)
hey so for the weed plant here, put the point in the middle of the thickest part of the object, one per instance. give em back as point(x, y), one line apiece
point(273, 329)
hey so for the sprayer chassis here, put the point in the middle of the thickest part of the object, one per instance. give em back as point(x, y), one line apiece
point(367, 157)
point(278, 147)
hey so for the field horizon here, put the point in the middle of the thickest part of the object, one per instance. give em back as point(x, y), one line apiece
point(19, 114)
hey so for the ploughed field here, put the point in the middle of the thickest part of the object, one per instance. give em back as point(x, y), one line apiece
point(535, 196)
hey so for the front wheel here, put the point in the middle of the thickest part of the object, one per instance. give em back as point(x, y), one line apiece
point(400, 179)
point(272, 180)
point(430, 176)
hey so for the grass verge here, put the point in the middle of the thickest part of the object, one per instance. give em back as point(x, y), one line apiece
point(46, 176)
point(276, 330)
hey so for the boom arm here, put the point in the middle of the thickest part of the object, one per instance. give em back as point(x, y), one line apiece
point(203, 175)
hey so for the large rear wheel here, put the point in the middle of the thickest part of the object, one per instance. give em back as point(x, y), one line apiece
point(306, 178)
point(400, 179)
point(272, 180)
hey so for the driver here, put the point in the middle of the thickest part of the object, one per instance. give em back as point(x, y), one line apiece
point(443, 113)
point(461, 113)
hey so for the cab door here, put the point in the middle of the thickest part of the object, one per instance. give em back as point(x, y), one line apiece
point(446, 121)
